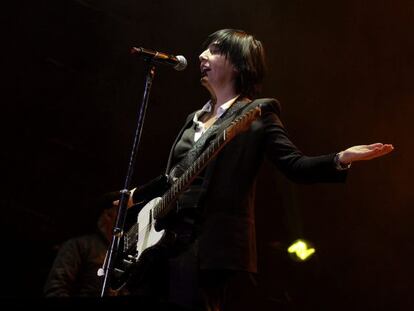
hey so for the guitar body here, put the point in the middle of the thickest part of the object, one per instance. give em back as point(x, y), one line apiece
point(137, 255)
point(147, 235)
point(142, 236)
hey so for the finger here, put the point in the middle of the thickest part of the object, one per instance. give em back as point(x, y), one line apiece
point(388, 149)
point(376, 145)
point(380, 152)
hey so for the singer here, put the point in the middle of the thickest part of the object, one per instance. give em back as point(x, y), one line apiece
point(215, 248)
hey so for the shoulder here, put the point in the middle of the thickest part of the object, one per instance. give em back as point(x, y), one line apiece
point(82, 241)
point(267, 105)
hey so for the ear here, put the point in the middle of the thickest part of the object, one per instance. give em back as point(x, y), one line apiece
point(235, 72)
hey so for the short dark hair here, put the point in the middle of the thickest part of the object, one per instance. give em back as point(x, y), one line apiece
point(247, 55)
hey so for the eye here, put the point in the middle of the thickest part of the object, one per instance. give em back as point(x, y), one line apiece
point(214, 48)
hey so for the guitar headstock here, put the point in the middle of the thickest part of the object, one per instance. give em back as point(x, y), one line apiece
point(243, 122)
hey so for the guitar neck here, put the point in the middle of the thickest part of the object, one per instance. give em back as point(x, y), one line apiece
point(165, 205)
point(182, 183)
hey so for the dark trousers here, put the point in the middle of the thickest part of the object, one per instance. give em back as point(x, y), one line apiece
point(177, 283)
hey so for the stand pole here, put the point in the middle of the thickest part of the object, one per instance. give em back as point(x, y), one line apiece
point(122, 208)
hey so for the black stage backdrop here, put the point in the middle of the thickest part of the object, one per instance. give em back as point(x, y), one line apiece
point(341, 69)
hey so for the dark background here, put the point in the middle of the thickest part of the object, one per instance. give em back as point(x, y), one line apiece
point(343, 71)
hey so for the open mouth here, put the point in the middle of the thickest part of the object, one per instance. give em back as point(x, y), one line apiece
point(204, 72)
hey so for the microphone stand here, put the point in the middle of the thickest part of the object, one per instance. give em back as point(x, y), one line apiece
point(118, 229)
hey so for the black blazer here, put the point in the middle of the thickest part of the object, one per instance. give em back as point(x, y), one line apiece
point(227, 239)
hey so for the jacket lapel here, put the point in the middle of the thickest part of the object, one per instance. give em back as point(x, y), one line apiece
point(225, 119)
point(210, 134)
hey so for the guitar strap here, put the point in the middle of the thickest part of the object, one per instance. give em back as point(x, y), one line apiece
point(192, 197)
point(201, 144)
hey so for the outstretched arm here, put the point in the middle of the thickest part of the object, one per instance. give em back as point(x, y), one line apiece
point(364, 152)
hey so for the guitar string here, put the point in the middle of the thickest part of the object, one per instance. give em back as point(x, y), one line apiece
point(196, 166)
point(181, 182)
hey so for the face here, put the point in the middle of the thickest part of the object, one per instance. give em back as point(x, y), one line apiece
point(216, 69)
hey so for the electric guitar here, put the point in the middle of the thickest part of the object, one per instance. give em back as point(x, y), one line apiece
point(144, 235)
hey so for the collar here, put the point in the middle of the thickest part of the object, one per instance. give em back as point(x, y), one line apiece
point(208, 106)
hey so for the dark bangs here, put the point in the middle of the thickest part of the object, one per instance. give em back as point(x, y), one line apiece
point(246, 54)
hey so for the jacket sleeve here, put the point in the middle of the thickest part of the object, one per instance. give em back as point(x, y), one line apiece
point(288, 158)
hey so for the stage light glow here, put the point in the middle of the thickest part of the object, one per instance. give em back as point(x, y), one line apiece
point(301, 250)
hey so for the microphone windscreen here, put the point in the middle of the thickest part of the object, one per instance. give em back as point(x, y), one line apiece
point(182, 63)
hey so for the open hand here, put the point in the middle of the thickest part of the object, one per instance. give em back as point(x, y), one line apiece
point(364, 152)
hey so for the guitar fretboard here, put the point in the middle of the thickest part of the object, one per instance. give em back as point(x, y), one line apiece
point(165, 205)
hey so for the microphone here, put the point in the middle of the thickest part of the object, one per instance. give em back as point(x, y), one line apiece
point(178, 62)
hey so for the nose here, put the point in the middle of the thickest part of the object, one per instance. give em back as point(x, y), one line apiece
point(204, 55)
